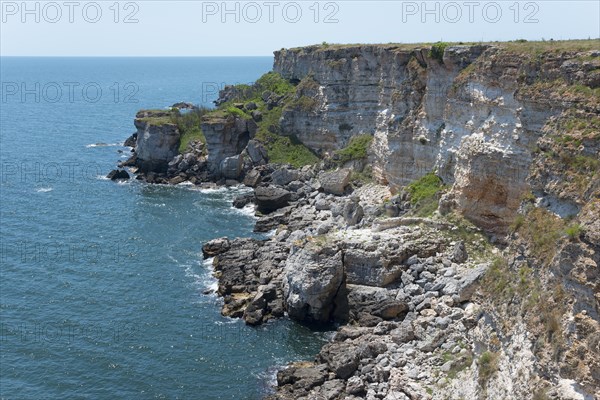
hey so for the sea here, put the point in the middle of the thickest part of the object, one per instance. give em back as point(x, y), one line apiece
point(103, 288)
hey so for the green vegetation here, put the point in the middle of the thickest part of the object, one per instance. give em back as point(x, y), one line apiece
point(573, 231)
point(437, 51)
point(356, 149)
point(542, 230)
point(238, 112)
point(302, 103)
point(488, 365)
point(365, 176)
point(424, 194)
point(517, 46)
point(157, 117)
point(282, 149)
point(425, 187)
point(189, 125)
point(269, 82)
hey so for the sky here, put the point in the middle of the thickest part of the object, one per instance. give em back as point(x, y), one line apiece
point(257, 28)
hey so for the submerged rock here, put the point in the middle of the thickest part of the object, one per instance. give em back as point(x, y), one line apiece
point(118, 175)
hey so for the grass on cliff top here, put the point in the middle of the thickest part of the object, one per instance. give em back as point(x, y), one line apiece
point(269, 82)
point(518, 46)
point(157, 117)
point(280, 149)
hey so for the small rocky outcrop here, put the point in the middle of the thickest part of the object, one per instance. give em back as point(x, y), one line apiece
point(313, 278)
point(157, 140)
point(118, 175)
point(226, 137)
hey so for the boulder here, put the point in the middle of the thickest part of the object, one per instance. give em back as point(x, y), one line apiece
point(283, 176)
point(118, 175)
point(335, 182)
point(231, 167)
point(312, 278)
point(271, 198)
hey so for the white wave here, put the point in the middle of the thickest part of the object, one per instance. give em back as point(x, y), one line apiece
point(247, 210)
point(44, 190)
point(271, 233)
point(185, 183)
point(228, 321)
point(220, 189)
point(102, 177)
point(102, 145)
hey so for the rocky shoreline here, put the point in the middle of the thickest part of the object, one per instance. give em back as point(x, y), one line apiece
point(473, 274)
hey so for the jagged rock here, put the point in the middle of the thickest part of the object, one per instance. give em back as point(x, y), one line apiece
point(131, 140)
point(215, 247)
point(376, 301)
point(118, 175)
point(242, 200)
point(282, 176)
point(256, 152)
point(312, 278)
point(352, 212)
point(182, 105)
point(303, 378)
point(459, 253)
point(270, 198)
point(335, 182)
point(252, 178)
point(256, 115)
point(341, 358)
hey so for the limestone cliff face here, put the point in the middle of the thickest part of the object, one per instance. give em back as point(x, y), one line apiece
point(226, 137)
point(473, 115)
point(157, 140)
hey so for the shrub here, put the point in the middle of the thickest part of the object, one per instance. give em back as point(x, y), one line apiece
point(573, 231)
point(275, 83)
point(425, 187)
point(437, 51)
point(189, 126)
point(488, 365)
point(282, 149)
point(302, 103)
point(543, 231)
point(356, 149)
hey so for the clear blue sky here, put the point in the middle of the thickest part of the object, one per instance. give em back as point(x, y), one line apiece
point(204, 28)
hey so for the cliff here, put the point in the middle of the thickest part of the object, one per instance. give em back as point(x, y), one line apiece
point(439, 203)
point(473, 113)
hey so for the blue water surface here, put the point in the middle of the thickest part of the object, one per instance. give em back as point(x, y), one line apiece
point(101, 289)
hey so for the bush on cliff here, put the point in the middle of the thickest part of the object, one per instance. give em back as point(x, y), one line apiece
point(437, 51)
point(282, 149)
point(356, 149)
point(424, 194)
point(189, 126)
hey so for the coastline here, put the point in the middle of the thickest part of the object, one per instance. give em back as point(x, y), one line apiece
point(433, 287)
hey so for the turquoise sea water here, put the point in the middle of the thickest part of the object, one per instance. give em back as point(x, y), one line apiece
point(101, 284)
